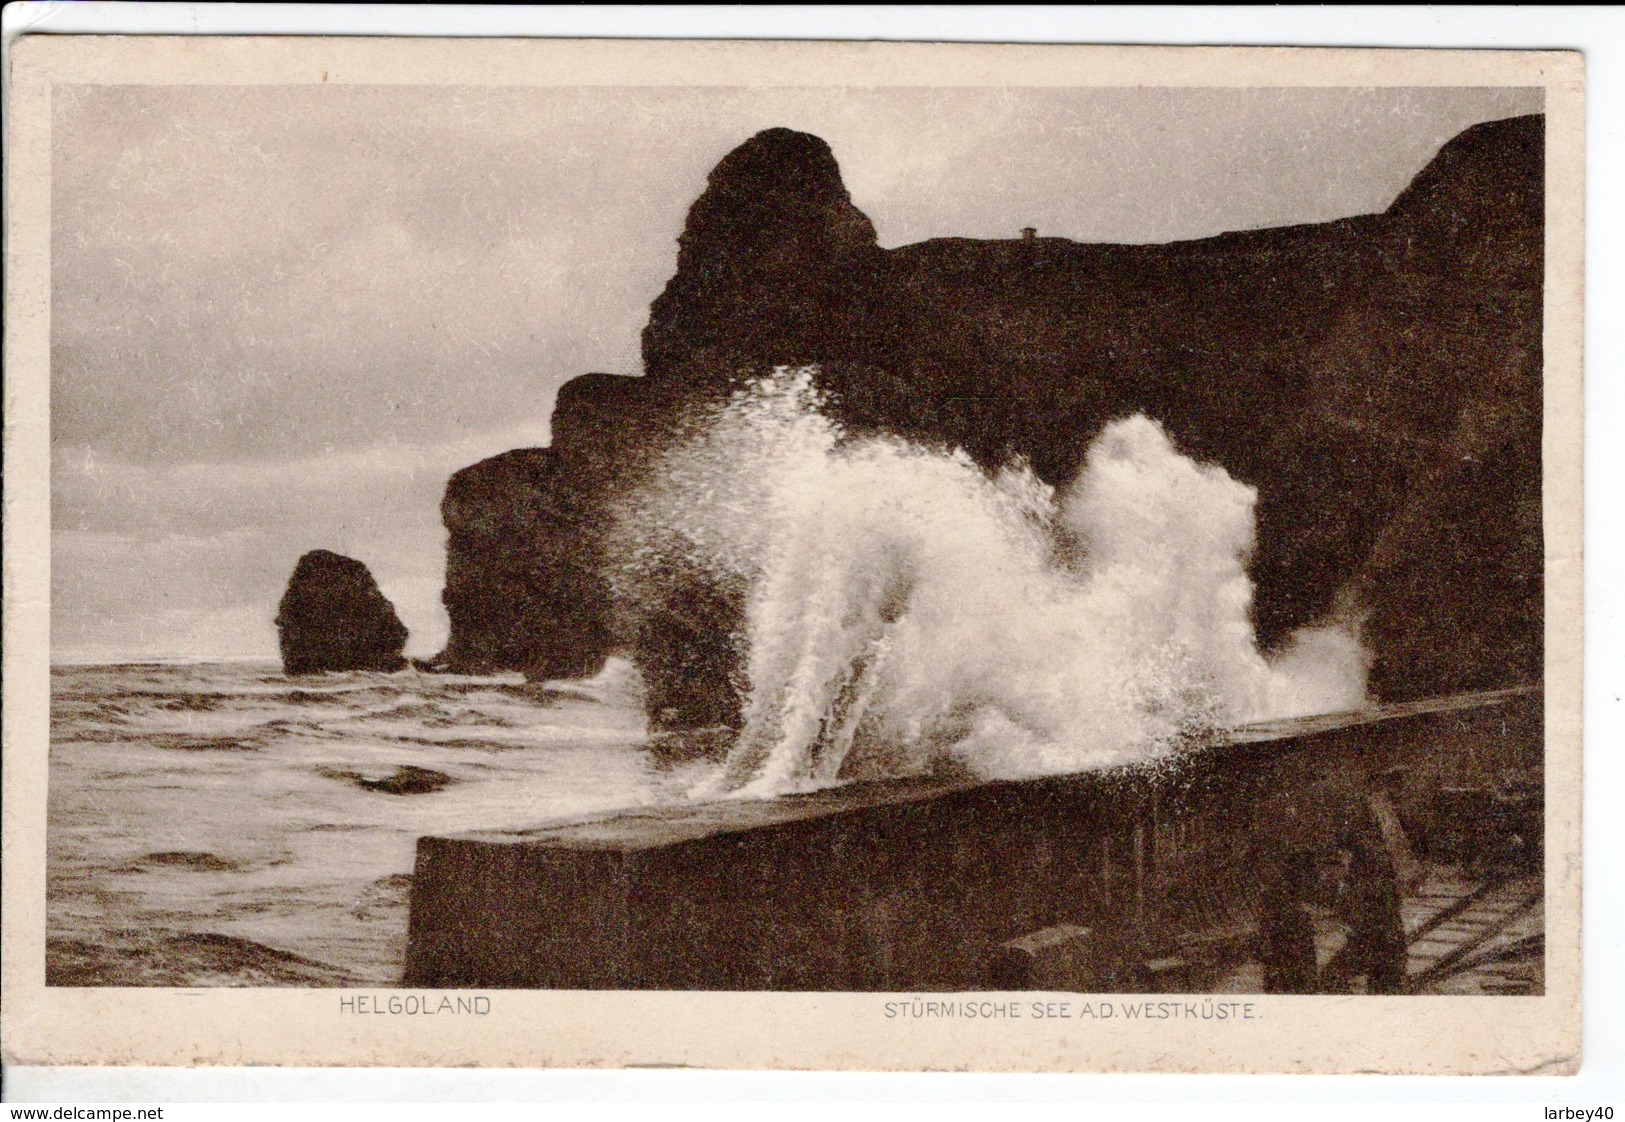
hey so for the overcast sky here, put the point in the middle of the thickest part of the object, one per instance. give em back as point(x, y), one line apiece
point(283, 315)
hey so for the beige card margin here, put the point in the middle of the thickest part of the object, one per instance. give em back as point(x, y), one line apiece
point(1399, 1035)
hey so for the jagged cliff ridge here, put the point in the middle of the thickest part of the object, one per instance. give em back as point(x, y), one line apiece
point(333, 616)
point(1378, 379)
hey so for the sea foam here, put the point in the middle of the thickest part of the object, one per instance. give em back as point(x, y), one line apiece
point(905, 609)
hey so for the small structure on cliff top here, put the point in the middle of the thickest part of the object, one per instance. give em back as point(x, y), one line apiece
point(334, 617)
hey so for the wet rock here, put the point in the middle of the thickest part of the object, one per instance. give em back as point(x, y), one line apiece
point(405, 780)
point(408, 780)
point(334, 617)
point(522, 588)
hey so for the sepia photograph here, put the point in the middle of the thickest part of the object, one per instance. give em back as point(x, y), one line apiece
point(1005, 549)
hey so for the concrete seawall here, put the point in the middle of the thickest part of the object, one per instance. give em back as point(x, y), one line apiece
point(922, 885)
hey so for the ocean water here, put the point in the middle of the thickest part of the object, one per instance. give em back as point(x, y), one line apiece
point(221, 824)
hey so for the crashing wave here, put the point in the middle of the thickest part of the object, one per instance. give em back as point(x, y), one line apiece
point(905, 610)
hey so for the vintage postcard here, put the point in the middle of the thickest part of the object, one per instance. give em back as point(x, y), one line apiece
point(792, 555)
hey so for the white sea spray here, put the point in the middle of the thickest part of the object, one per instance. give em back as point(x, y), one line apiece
point(905, 609)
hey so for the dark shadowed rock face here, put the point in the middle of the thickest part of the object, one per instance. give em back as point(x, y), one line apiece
point(1377, 379)
point(522, 591)
point(333, 617)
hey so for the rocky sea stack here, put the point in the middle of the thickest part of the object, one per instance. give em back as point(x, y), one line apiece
point(334, 617)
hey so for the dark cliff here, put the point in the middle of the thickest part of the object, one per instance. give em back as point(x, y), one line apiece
point(334, 617)
point(509, 581)
point(1378, 379)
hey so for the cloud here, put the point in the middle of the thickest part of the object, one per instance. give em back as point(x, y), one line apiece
point(250, 272)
